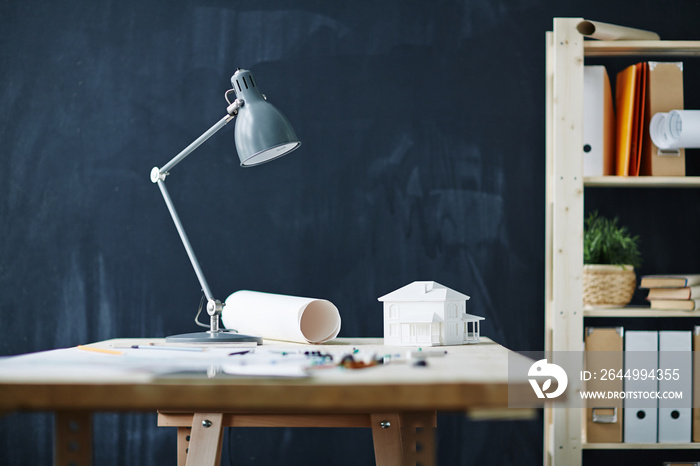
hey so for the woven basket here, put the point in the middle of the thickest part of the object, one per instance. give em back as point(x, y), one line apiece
point(608, 285)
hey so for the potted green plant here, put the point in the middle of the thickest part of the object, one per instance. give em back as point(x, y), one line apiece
point(610, 254)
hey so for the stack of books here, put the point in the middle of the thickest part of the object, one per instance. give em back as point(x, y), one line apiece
point(673, 291)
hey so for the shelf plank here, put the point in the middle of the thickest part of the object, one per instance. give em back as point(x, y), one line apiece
point(638, 311)
point(642, 181)
point(640, 446)
point(595, 48)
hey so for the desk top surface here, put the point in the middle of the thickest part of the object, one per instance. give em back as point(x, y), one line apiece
point(467, 376)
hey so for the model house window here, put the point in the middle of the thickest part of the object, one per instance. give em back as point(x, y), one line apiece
point(452, 311)
point(394, 330)
point(423, 330)
point(472, 331)
point(394, 311)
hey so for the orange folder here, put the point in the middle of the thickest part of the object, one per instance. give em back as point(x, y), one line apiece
point(624, 103)
point(630, 92)
point(638, 127)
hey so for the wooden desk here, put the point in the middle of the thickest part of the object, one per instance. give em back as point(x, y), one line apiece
point(392, 399)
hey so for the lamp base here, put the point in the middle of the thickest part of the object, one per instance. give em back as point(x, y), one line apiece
point(213, 337)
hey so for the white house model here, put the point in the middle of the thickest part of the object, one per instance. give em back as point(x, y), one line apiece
point(428, 314)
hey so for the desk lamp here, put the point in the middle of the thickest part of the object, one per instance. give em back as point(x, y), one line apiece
point(261, 134)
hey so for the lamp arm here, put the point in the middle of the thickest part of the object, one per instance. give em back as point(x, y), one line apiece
point(158, 175)
point(162, 172)
point(185, 240)
point(214, 306)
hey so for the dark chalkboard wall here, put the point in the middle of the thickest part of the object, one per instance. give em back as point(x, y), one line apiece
point(422, 159)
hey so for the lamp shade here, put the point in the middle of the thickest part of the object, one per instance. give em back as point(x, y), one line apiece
point(262, 132)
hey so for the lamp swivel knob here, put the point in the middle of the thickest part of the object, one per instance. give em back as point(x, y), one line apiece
point(156, 175)
point(214, 306)
point(232, 109)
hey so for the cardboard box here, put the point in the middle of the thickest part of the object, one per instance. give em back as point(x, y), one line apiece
point(603, 353)
point(696, 385)
point(664, 93)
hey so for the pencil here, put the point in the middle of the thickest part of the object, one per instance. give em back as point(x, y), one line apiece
point(98, 350)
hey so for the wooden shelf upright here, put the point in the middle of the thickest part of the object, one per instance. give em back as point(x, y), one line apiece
point(566, 51)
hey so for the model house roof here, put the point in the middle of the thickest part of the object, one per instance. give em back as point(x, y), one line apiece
point(472, 317)
point(417, 317)
point(424, 291)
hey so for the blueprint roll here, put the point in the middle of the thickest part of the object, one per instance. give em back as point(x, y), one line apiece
point(606, 31)
point(676, 129)
point(281, 317)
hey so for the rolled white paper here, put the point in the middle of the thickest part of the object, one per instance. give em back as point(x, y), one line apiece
point(676, 129)
point(606, 31)
point(281, 317)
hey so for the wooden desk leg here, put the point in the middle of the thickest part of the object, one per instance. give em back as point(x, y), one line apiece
point(183, 444)
point(386, 433)
point(418, 434)
point(205, 439)
point(73, 438)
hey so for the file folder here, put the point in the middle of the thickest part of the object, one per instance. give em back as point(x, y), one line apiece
point(625, 103)
point(598, 123)
point(675, 414)
point(638, 124)
point(696, 384)
point(630, 100)
point(603, 353)
point(664, 93)
point(641, 415)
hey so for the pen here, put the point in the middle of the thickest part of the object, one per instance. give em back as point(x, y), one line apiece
point(413, 355)
point(421, 353)
point(172, 348)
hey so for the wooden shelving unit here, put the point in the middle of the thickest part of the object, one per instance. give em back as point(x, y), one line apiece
point(566, 51)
